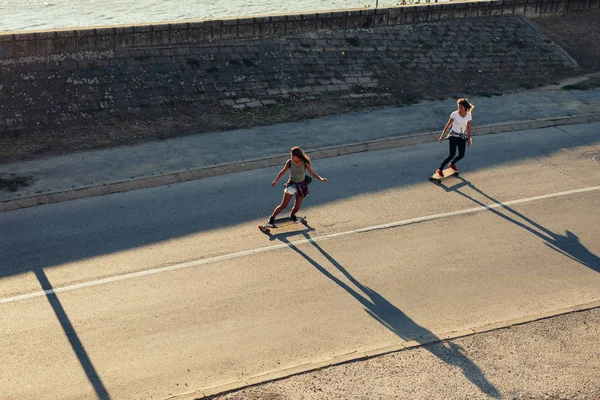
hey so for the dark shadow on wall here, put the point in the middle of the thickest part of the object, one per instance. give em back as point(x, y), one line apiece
point(395, 320)
point(71, 334)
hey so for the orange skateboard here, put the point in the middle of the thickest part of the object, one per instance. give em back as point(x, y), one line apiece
point(448, 172)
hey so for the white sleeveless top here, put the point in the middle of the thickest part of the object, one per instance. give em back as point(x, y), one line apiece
point(297, 172)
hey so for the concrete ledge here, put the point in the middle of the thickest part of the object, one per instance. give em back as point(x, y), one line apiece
point(367, 354)
point(167, 178)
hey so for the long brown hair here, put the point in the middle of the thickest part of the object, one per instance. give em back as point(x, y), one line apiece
point(465, 103)
point(298, 152)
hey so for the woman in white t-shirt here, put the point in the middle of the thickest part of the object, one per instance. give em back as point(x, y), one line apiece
point(460, 135)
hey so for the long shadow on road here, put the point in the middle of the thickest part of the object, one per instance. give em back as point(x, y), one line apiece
point(567, 244)
point(380, 309)
point(53, 235)
point(71, 334)
point(39, 238)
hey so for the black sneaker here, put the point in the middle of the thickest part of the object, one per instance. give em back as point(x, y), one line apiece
point(293, 217)
point(271, 221)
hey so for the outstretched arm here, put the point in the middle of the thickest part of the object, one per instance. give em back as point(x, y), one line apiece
point(448, 124)
point(280, 174)
point(313, 173)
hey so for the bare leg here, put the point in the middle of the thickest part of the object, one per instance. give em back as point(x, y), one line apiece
point(284, 203)
point(297, 204)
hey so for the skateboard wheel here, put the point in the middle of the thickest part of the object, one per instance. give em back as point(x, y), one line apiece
point(264, 229)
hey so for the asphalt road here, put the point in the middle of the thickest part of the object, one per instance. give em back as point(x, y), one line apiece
point(158, 292)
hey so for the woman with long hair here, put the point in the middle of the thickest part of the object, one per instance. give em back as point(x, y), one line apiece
point(297, 184)
point(460, 135)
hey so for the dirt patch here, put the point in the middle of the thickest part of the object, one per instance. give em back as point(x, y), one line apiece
point(590, 83)
point(578, 34)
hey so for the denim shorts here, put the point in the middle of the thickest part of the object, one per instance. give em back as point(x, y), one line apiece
point(291, 189)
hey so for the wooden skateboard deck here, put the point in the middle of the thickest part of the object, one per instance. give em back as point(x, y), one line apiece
point(281, 223)
point(448, 172)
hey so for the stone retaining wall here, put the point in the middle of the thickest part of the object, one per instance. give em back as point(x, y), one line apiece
point(49, 77)
point(115, 38)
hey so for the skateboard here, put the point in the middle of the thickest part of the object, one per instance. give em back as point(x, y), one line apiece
point(280, 223)
point(448, 172)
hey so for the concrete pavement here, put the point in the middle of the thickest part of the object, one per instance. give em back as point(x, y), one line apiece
point(120, 169)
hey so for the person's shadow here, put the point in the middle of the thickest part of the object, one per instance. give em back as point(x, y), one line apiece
point(395, 320)
point(567, 244)
point(71, 334)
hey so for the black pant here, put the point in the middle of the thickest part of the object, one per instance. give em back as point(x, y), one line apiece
point(454, 143)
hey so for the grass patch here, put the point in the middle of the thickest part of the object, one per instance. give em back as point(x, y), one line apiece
point(412, 98)
point(13, 183)
point(590, 83)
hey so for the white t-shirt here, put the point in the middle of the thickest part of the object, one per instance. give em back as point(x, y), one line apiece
point(459, 124)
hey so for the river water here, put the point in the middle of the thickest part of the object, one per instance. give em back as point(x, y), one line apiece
point(22, 15)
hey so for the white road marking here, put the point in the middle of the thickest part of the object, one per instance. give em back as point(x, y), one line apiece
point(239, 254)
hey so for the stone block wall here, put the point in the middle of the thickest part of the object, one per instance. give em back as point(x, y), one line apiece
point(49, 77)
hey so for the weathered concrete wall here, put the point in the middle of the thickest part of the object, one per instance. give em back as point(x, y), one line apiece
point(48, 77)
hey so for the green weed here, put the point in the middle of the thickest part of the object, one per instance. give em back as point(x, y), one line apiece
point(12, 184)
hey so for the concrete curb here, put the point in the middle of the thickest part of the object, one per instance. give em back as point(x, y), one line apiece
point(144, 182)
point(372, 353)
